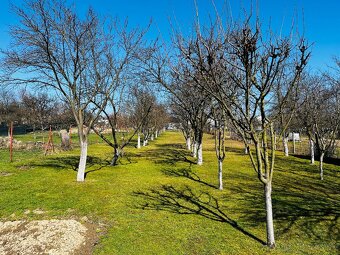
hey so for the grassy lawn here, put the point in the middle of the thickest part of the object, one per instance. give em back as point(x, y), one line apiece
point(157, 201)
point(39, 136)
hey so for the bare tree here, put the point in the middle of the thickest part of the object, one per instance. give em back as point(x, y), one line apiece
point(159, 118)
point(183, 119)
point(220, 125)
point(57, 49)
point(136, 119)
point(160, 68)
point(320, 113)
point(195, 107)
point(141, 106)
point(38, 110)
point(10, 108)
point(240, 67)
point(122, 59)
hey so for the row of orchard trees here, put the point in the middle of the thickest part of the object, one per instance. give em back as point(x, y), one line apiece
point(317, 114)
point(90, 63)
point(240, 75)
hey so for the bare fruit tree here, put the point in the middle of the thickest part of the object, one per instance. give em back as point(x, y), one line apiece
point(124, 50)
point(240, 66)
point(220, 129)
point(53, 47)
point(177, 80)
point(320, 113)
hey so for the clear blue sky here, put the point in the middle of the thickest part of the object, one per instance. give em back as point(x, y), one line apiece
point(321, 18)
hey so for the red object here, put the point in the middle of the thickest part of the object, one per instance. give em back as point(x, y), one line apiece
point(49, 145)
point(51, 139)
point(11, 142)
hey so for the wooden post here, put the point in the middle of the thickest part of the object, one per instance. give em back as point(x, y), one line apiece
point(11, 142)
point(51, 138)
point(49, 144)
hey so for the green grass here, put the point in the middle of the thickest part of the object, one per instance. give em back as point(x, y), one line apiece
point(157, 201)
point(42, 136)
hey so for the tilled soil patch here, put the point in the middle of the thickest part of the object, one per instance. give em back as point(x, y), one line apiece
point(57, 237)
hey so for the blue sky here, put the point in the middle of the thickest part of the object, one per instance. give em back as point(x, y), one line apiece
point(321, 19)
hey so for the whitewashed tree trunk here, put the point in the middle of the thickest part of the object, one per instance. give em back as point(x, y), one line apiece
point(144, 142)
point(188, 143)
point(138, 141)
point(285, 146)
point(82, 161)
point(152, 137)
point(156, 134)
point(245, 149)
point(311, 147)
point(199, 154)
point(269, 215)
point(220, 179)
point(115, 157)
point(194, 150)
point(322, 154)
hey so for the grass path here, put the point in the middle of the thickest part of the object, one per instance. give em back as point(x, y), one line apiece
point(157, 201)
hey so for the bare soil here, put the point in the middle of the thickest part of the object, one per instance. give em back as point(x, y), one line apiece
point(57, 237)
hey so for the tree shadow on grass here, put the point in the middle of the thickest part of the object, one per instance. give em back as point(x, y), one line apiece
point(71, 162)
point(185, 201)
point(185, 173)
point(169, 154)
point(328, 160)
point(299, 204)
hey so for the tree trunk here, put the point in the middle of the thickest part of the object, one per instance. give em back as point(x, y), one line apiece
point(269, 215)
point(245, 149)
point(322, 154)
point(82, 161)
point(156, 134)
point(145, 142)
point(311, 147)
point(199, 154)
point(220, 179)
point(138, 141)
point(294, 147)
point(115, 157)
point(194, 150)
point(285, 146)
point(188, 143)
point(152, 137)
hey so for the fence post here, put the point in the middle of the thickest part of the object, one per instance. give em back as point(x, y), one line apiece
point(11, 142)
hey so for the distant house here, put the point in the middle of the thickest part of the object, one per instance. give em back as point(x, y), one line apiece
point(294, 136)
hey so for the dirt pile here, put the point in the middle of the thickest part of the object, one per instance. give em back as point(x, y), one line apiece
point(57, 237)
